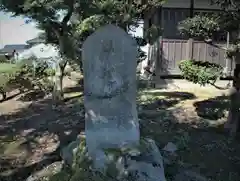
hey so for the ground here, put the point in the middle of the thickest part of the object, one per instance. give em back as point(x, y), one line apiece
point(32, 131)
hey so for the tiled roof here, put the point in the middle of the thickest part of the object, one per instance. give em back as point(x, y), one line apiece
point(35, 40)
point(10, 48)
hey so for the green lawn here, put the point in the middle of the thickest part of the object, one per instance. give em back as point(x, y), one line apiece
point(7, 67)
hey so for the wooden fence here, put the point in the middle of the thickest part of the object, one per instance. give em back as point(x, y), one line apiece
point(169, 52)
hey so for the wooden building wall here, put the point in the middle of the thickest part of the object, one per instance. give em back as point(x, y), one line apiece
point(171, 47)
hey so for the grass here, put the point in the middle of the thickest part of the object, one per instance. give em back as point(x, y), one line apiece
point(203, 147)
point(7, 67)
point(165, 116)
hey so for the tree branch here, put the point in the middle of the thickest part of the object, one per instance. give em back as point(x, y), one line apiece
point(69, 14)
point(63, 65)
point(214, 45)
point(221, 88)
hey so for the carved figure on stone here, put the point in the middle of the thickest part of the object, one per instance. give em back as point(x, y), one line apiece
point(109, 62)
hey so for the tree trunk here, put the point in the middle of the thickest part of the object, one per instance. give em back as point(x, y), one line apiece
point(58, 85)
point(58, 80)
point(233, 122)
point(4, 95)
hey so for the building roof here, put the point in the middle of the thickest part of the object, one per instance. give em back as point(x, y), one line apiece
point(35, 40)
point(11, 48)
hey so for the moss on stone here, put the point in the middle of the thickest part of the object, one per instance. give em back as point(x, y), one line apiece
point(132, 151)
point(82, 167)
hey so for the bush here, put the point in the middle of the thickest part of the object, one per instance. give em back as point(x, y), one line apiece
point(41, 69)
point(200, 72)
point(23, 76)
point(12, 77)
point(7, 72)
point(49, 72)
point(3, 59)
point(3, 84)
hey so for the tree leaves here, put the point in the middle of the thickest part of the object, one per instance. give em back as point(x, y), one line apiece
point(201, 26)
point(90, 15)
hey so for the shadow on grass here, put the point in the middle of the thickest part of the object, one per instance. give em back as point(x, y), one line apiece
point(199, 147)
point(17, 173)
point(10, 97)
point(160, 100)
point(67, 99)
point(175, 95)
point(78, 88)
point(73, 89)
point(44, 130)
point(33, 95)
point(213, 108)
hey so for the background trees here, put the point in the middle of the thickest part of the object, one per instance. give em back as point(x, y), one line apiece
point(24, 75)
point(67, 23)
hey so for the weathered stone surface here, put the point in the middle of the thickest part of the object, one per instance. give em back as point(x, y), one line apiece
point(170, 147)
point(141, 163)
point(109, 62)
point(149, 164)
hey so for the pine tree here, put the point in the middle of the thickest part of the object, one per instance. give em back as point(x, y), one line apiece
point(67, 23)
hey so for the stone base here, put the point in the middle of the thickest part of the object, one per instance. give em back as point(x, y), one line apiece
point(69, 152)
point(148, 164)
point(142, 163)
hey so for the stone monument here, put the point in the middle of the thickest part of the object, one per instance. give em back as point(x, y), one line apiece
point(111, 120)
point(109, 63)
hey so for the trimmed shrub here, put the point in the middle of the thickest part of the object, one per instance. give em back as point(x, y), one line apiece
point(24, 76)
point(3, 59)
point(200, 72)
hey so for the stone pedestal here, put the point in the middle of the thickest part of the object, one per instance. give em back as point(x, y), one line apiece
point(142, 162)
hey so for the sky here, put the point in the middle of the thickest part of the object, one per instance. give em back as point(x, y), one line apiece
point(13, 30)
